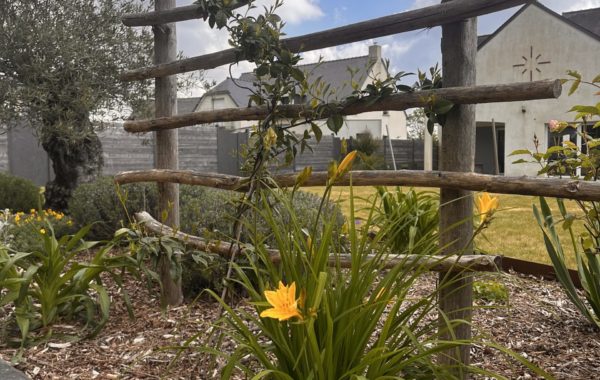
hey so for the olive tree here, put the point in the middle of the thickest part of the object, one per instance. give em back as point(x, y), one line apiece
point(59, 66)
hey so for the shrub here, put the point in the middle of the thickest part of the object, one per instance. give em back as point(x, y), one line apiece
point(98, 203)
point(412, 216)
point(24, 227)
point(204, 212)
point(490, 291)
point(17, 194)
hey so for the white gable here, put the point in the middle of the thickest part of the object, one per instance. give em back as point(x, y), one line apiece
point(535, 45)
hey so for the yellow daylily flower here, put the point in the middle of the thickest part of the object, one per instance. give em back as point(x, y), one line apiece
point(284, 302)
point(486, 205)
point(346, 163)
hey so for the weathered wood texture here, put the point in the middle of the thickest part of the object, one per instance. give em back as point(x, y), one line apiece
point(545, 89)
point(547, 187)
point(3, 152)
point(459, 53)
point(166, 143)
point(188, 12)
point(475, 263)
point(427, 17)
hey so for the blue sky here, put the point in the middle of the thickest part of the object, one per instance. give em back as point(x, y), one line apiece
point(407, 51)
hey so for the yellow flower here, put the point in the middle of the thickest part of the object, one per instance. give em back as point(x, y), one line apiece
point(270, 138)
point(42, 231)
point(486, 206)
point(284, 302)
point(346, 163)
point(17, 218)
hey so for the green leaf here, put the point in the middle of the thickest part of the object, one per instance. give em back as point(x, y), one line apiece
point(596, 79)
point(442, 106)
point(574, 86)
point(335, 122)
point(585, 109)
point(520, 151)
point(317, 131)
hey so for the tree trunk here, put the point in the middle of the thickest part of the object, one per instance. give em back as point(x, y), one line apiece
point(75, 160)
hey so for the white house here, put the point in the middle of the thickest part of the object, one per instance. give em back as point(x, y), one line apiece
point(536, 43)
point(235, 93)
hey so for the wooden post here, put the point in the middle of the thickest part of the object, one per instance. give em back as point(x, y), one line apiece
point(166, 144)
point(427, 151)
point(459, 52)
point(495, 150)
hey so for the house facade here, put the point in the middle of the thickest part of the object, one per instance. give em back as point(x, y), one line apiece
point(535, 44)
point(339, 74)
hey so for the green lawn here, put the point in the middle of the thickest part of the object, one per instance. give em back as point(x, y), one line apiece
point(513, 232)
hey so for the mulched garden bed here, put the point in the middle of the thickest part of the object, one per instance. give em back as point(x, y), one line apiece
point(538, 322)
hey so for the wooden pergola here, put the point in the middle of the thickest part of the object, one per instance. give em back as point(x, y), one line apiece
point(455, 178)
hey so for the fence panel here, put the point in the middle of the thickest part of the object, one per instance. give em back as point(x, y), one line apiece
point(198, 148)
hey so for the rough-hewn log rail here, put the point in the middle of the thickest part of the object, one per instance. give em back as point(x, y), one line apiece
point(188, 12)
point(472, 263)
point(427, 17)
point(546, 89)
point(547, 187)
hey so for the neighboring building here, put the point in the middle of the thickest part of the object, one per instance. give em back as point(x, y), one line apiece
point(536, 43)
point(235, 94)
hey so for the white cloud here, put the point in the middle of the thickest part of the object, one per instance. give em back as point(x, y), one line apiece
point(295, 12)
point(584, 4)
point(560, 6)
point(423, 3)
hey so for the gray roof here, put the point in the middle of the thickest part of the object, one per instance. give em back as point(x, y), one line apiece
point(187, 105)
point(587, 18)
point(336, 73)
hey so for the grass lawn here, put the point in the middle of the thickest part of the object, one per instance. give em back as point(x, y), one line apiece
point(513, 232)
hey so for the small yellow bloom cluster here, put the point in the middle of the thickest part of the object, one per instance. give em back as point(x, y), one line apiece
point(21, 218)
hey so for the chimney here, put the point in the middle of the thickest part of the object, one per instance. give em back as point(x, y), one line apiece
point(374, 53)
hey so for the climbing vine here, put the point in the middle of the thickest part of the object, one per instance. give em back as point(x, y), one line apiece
point(257, 37)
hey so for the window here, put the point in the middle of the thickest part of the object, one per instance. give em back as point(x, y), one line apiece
point(218, 103)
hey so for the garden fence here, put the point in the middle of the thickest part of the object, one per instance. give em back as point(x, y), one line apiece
point(456, 178)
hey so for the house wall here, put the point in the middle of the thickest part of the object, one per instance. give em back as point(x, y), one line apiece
point(565, 47)
point(207, 104)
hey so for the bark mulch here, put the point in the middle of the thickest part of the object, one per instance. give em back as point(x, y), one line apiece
point(538, 322)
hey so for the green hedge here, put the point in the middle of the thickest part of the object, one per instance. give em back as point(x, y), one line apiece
point(98, 203)
point(202, 210)
point(17, 194)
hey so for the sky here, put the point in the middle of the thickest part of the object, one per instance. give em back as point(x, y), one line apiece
point(407, 52)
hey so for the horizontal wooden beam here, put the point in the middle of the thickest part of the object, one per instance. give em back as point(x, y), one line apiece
point(427, 17)
point(472, 263)
point(188, 12)
point(398, 102)
point(547, 187)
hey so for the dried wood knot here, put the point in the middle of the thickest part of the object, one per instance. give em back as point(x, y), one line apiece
point(573, 187)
